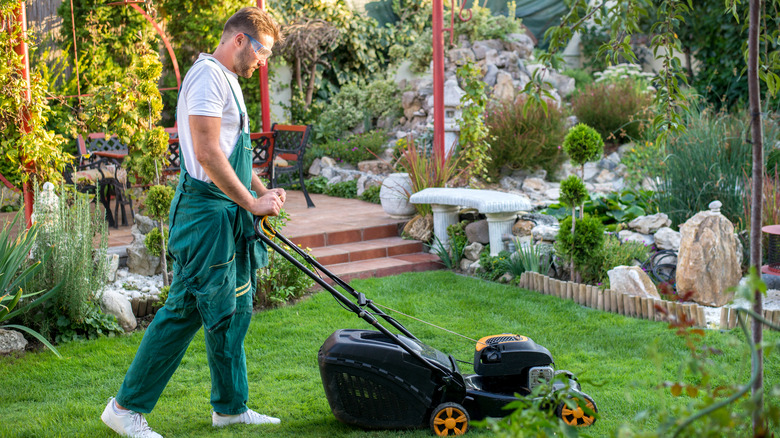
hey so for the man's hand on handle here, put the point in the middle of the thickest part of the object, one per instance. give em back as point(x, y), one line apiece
point(270, 204)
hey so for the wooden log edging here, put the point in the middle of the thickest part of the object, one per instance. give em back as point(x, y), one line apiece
point(633, 306)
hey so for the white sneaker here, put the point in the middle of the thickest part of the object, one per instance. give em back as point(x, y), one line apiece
point(247, 417)
point(127, 423)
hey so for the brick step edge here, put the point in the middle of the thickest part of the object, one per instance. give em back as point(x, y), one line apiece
point(615, 302)
point(365, 250)
point(347, 236)
point(387, 266)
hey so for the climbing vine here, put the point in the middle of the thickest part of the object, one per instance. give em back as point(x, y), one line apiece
point(27, 148)
point(474, 135)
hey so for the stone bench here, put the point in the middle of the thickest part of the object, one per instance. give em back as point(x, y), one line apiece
point(500, 208)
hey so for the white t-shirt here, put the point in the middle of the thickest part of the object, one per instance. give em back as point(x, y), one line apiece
point(205, 92)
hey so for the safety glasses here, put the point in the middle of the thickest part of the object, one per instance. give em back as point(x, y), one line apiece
point(259, 48)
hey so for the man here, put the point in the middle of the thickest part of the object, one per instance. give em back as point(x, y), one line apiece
point(215, 259)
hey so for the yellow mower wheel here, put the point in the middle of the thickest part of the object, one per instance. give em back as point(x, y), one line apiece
point(449, 419)
point(577, 416)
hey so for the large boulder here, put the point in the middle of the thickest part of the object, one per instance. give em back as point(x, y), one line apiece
point(113, 303)
point(707, 263)
point(632, 280)
point(478, 232)
point(11, 340)
point(139, 261)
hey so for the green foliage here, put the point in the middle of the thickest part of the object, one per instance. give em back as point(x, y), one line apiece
point(645, 159)
point(483, 25)
point(158, 201)
point(280, 281)
point(128, 108)
point(708, 162)
point(353, 149)
point(343, 189)
point(27, 146)
point(493, 267)
point(15, 270)
point(532, 257)
point(153, 241)
point(473, 140)
point(457, 244)
point(95, 323)
point(162, 297)
point(357, 104)
point(618, 111)
point(584, 246)
point(573, 191)
point(371, 194)
point(318, 185)
point(525, 139)
point(420, 52)
point(613, 253)
point(773, 161)
point(720, 72)
point(582, 78)
point(582, 144)
point(534, 416)
point(613, 208)
point(77, 237)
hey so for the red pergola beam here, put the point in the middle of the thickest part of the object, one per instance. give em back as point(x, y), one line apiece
point(21, 50)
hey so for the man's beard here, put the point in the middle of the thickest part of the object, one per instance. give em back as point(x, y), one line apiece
point(247, 64)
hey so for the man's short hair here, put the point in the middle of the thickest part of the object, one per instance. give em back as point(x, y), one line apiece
point(253, 21)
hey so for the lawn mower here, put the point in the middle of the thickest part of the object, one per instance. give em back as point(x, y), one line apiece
point(377, 379)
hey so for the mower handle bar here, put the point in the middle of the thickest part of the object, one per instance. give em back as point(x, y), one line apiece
point(260, 225)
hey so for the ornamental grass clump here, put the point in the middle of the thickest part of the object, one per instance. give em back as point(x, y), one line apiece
point(525, 142)
point(617, 110)
point(709, 161)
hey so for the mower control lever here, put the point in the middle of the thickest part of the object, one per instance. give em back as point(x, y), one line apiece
point(361, 298)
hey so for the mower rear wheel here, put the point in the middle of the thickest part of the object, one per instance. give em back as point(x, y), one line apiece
point(449, 419)
point(577, 416)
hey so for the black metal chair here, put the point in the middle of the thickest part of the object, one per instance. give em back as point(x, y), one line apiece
point(106, 154)
point(289, 144)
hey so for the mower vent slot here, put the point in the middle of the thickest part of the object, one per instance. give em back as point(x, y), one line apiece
point(500, 339)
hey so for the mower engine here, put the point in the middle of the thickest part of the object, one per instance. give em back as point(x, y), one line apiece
point(510, 364)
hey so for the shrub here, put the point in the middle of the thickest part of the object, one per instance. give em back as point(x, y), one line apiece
point(355, 104)
point(525, 142)
point(573, 191)
point(582, 144)
point(707, 162)
point(70, 228)
point(616, 110)
point(644, 160)
point(343, 189)
point(352, 149)
point(280, 280)
point(584, 245)
point(773, 161)
point(612, 253)
point(371, 194)
point(153, 242)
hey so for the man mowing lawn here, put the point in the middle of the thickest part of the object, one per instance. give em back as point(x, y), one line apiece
point(210, 222)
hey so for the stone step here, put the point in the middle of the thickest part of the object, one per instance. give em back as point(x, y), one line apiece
point(364, 250)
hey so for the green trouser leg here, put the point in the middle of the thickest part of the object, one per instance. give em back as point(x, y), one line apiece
point(167, 338)
point(225, 348)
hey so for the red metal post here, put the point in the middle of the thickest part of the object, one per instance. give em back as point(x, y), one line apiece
point(265, 100)
point(438, 81)
point(21, 50)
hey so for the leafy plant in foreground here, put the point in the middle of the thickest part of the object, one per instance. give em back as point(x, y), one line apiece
point(14, 272)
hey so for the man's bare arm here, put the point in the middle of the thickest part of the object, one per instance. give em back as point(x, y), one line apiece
point(205, 140)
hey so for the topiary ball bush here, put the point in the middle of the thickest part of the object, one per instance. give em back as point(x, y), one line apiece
point(588, 239)
point(583, 144)
point(573, 191)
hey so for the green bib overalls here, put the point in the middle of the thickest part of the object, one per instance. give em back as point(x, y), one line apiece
point(214, 265)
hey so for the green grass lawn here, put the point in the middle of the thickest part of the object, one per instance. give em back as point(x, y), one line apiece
point(41, 395)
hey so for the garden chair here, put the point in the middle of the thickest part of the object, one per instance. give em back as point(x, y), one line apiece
point(289, 144)
point(104, 155)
